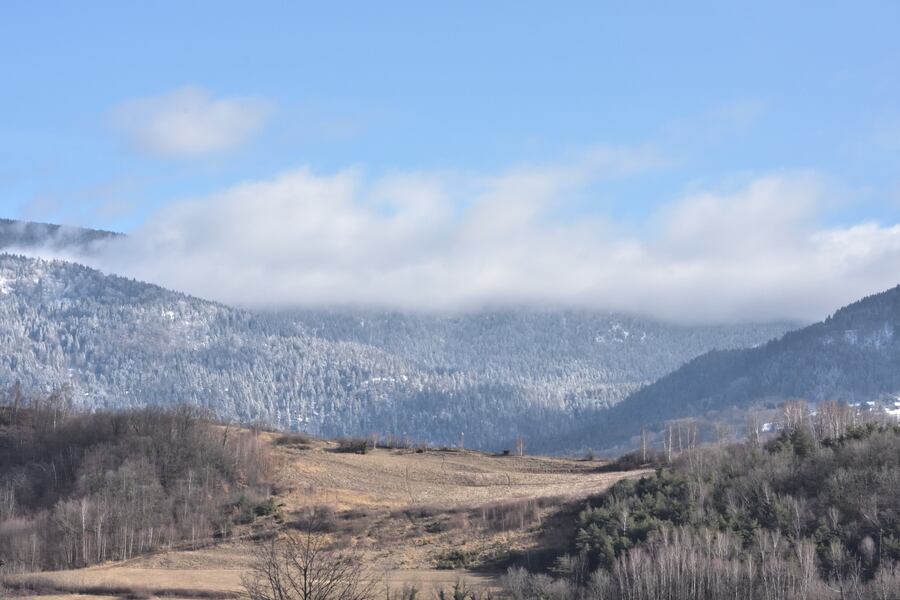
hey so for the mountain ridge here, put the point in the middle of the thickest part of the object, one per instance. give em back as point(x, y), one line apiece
point(851, 356)
point(119, 342)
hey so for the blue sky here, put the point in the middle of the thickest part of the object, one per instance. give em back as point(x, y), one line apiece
point(696, 97)
point(474, 86)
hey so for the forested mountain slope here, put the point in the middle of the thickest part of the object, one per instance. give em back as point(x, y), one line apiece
point(495, 376)
point(852, 356)
point(118, 342)
point(592, 355)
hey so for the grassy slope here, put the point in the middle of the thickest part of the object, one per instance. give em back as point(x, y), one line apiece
point(405, 511)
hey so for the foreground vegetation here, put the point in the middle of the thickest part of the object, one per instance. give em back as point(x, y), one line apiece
point(79, 489)
point(805, 515)
point(811, 512)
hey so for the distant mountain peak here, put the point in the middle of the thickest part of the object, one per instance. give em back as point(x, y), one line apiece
point(30, 235)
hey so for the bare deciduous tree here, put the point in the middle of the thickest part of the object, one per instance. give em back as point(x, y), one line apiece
point(520, 446)
point(300, 566)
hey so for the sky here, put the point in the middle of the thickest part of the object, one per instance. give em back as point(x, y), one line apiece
point(692, 161)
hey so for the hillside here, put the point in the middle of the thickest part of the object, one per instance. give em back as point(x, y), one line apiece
point(811, 513)
point(167, 500)
point(494, 376)
point(852, 356)
point(805, 514)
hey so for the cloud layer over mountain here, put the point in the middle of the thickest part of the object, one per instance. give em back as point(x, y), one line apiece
point(443, 241)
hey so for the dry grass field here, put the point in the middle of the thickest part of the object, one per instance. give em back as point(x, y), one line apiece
point(428, 518)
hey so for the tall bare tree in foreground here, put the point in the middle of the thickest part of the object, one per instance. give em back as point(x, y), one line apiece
point(300, 566)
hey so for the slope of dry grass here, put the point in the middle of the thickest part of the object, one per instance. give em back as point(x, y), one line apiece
point(440, 478)
point(428, 518)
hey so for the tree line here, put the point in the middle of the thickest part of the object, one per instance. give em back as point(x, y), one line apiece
point(80, 488)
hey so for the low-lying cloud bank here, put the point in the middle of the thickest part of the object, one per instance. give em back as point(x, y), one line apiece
point(444, 242)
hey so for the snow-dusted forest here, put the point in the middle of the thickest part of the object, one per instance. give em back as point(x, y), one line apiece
point(494, 376)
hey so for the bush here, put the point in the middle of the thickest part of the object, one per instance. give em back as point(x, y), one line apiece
point(352, 445)
point(267, 507)
point(302, 440)
point(635, 460)
point(320, 519)
point(456, 559)
point(437, 527)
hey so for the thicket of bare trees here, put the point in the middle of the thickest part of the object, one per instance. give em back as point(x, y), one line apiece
point(682, 564)
point(77, 489)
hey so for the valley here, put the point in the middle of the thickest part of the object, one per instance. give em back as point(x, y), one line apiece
point(449, 301)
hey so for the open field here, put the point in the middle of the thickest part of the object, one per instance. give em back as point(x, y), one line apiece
point(440, 478)
point(428, 518)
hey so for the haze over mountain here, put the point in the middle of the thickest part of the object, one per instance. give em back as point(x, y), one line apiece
point(494, 375)
point(758, 249)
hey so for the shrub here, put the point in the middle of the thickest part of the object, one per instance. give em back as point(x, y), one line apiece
point(267, 507)
point(319, 519)
point(437, 527)
point(353, 445)
point(456, 559)
point(300, 439)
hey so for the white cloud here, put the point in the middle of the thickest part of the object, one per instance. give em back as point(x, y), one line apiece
point(446, 242)
point(189, 122)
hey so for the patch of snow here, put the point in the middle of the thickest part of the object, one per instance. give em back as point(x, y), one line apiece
point(616, 333)
point(882, 337)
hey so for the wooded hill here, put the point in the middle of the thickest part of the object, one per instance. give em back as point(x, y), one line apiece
point(812, 513)
point(78, 489)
